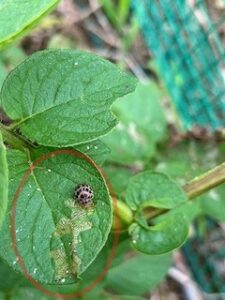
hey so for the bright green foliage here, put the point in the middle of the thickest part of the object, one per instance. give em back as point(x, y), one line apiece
point(3, 180)
point(155, 190)
point(63, 97)
point(54, 233)
point(142, 125)
point(17, 17)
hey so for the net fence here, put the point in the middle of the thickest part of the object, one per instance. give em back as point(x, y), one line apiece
point(187, 39)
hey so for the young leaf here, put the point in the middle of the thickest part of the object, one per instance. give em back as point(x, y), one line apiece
point(150, 189)
point(161, 238)
point(18, 16)
point(153, 189)
point(57, 238)
point(63, 97)
point(3, 180)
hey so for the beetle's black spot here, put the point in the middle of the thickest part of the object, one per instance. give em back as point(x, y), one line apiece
point(83, 194)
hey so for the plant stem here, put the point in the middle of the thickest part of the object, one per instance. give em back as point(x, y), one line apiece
point(124, 212)
point(195, 188)
point(205, 182)
point(12, 139)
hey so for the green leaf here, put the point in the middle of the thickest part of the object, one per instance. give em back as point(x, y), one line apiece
point(63, 97)
point(165, 236)
point(119, 177)
point(3, 73)
point(10, 280)
point(151, 189)
point(90, 275)
point(9, 59)
point(28, 293)
point(18, 16)
point(57, 238)
point(97, 150)
point(190, 209)
point(213, 203)
point(142, 125)
point(3, 180)
point(137, 274)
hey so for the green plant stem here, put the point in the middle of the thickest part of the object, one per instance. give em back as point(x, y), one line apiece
point(12, 139)
point(196, 187)
point(124, 212)
point(205, 182)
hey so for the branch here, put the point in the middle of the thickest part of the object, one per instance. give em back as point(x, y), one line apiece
point(13, 139)
point(194, 188)
point(205, 182)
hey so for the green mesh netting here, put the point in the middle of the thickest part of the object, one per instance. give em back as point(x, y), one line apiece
point(186, 38)
point(205, 254)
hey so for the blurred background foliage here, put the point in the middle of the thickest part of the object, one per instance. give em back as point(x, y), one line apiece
point(150, 135)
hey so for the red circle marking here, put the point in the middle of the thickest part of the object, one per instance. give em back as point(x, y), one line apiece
point(13, 229)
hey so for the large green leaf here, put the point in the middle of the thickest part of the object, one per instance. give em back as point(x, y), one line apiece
point(155, 190)
point(18, 16)
point(63, 97)
point(142, 125)
point(57, 238)
point(3, 180)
